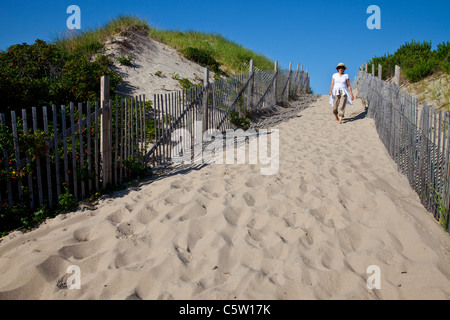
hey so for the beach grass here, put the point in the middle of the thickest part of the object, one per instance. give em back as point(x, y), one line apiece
point(90, 41)
point(232, 57)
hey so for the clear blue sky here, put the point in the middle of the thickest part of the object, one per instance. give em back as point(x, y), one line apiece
point(317, 34)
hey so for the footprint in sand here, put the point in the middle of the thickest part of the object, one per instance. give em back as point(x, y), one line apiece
point(195, 233)
point(83, 234)
point(249, 199)
point(231, 216)
point(195, 210)
point(256, 235)
point(53, 267)
point(146, 215)
point(290, 219)
point(129, 228)
point(184, 255)
point(82, 250)
point(254, 182)
point(117, 216)
point(212, 188)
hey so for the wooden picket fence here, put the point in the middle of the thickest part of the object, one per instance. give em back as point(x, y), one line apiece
point(213, 103)
point(86, 147)
point(78, 139)
point(417, 138)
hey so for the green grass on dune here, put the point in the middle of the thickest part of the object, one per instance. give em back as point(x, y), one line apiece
point(92, 40)
point(232, 57)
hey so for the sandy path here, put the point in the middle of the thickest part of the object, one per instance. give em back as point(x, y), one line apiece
point(336, 206)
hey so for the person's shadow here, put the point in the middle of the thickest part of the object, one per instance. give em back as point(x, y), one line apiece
point(359, 116)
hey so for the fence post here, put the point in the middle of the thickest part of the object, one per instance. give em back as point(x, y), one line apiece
point(105, 137)
point(397, 76)
point(275, 81)
point(303, 80)
point(380, 71)
point(307, 81)
point(250, 86)
point(205, 100)
point(289, 80)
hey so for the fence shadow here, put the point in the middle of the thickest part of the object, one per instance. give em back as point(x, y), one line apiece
point(281, 113)
point(357, 117)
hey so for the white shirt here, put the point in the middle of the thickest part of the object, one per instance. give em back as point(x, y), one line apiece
point(340, 83)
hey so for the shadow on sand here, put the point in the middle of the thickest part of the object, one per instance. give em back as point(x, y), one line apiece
point(357, 117)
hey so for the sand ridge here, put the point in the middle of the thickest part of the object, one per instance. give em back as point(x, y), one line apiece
point(336, 206)
point(156, 68)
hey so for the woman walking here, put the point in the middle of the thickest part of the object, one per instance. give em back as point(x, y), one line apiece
point(340, 90)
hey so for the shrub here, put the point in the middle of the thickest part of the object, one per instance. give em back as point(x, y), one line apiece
point(443, 51)
point(202, 57)
point(185, 83)
point(125, 61)
point(41, 74)
point(104, 60)
point(136, 168)
point(417, 60)
point(66, 201)
point(419, 70)
point(240, 122)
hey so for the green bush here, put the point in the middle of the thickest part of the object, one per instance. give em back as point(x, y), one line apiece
point(136, 168)
point(66, 200)
point(202, 57)
point(443, 51)
point(416, 59)
point(419, 70)
point(42, 74)
point(125, 61)
point(240, 122)
point(185, 83)
point(104, 60)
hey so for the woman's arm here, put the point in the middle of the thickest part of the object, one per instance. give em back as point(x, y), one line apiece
point(350, 88)
point(331, 87)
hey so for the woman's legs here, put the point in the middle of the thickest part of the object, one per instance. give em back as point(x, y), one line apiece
point(337, 99)
point(341, 107)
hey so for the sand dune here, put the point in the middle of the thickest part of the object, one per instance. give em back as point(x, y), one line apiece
point(336, 206)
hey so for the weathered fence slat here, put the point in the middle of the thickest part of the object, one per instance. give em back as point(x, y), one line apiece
point(6, 157)
point(74, 153)
point(38, 159)
point(81, 156)
point(55, 146)
point(28, 161)
point(116, 143)
point(96, 147)
point(47, 156)
point(89, 144)
point(66, 155)
point(416, 137)
point(122, 142)
point(17, 154)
